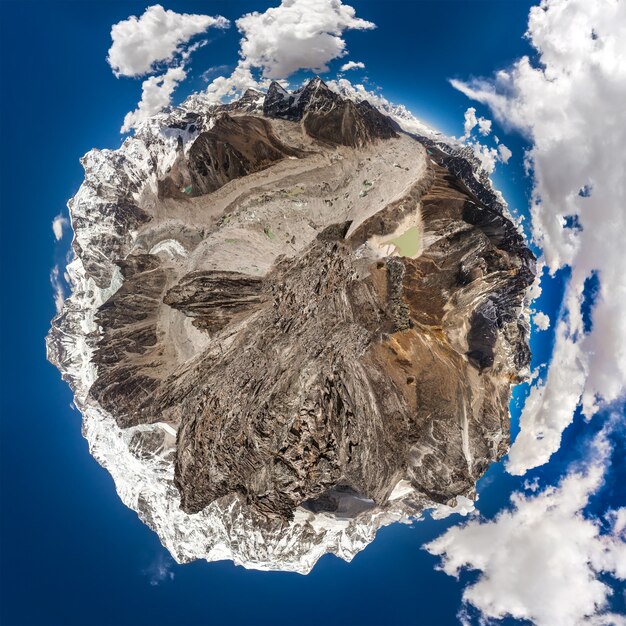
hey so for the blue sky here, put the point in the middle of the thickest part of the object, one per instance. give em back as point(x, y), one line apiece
point(71, 552)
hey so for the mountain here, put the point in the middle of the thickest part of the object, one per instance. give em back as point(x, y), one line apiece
point(327, 116)
point(291, 323)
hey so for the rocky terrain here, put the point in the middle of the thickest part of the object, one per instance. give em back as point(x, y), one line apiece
point(292, 323)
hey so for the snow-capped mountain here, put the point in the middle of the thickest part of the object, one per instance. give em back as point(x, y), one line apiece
point(266, 298)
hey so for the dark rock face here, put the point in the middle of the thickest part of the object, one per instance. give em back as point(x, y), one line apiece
point(214, 299)
point(250, 102)
point(125, 215)
point(328, 117)
point(280, 103)
point(233, 148)
point(128, 352)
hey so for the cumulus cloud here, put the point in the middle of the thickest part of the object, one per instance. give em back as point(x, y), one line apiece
point(504, 153)
point(570, 105)
point(489, 157)
point(224, 87)
point(156, 94)
point(541, 320)
point(471, 122)
point(59, 223)
point(484, 126)
point(542, 559)
point(353, 65)
point(532, 485)
point(296, 35)
point(159, 35)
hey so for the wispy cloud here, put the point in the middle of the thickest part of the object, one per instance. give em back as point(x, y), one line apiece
point(57, 287)
point(216, 70)
point(160, 570)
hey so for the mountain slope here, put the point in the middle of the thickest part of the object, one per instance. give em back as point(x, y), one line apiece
point(290, 325)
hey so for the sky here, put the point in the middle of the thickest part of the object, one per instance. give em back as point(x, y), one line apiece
point(72, 553)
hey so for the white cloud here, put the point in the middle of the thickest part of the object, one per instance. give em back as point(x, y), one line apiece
point(571, 106)
point(484, 126)
point(353, 65)
point(157, 36)
point(463, 506)
point(504, 153)
point(58, 226)
point(227, 86)
point(541, 320)
point(471, 122)
point(156, 94)
point(550, 406)
point(532, 485)
point(297, 34)
point(488, 157)
point(540, 560)
point(215, 70)
point(57, 288)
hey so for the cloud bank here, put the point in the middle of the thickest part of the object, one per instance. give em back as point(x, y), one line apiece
point(541, 559)
point(570, 105)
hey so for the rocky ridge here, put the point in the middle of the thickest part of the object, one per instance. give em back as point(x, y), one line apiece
point(291, 323)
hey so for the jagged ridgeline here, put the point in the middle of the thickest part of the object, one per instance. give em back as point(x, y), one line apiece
point(291, 324)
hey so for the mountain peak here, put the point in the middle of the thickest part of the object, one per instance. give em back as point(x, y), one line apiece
point(275, 86)
point(328, 116)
